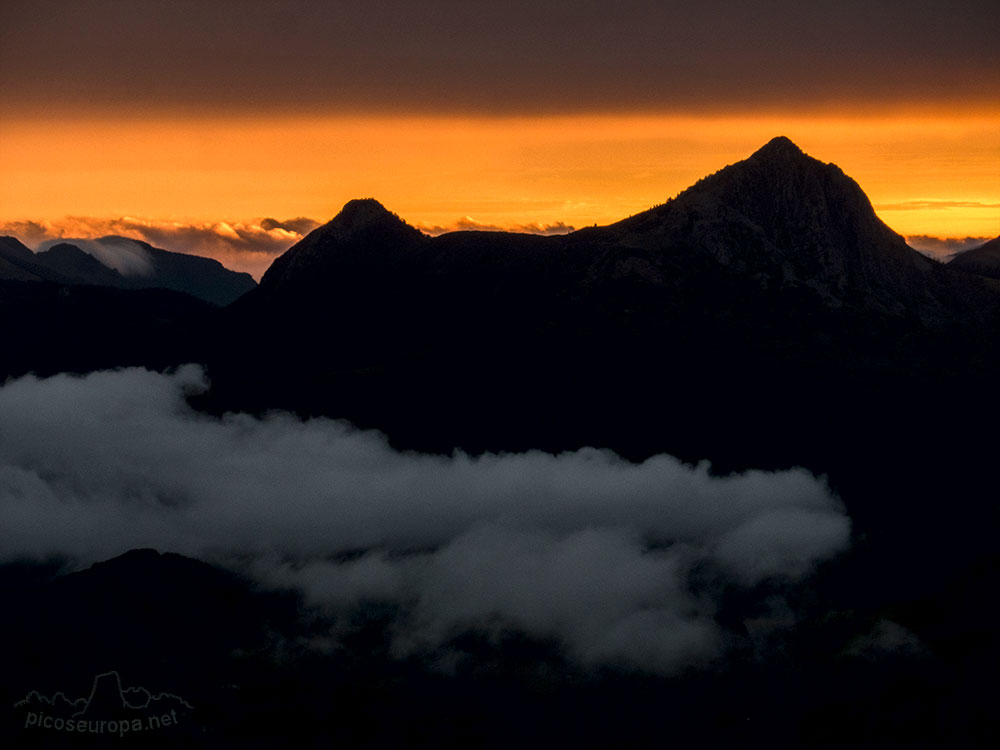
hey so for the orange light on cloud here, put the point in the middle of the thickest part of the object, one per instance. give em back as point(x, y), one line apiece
point(926, 174)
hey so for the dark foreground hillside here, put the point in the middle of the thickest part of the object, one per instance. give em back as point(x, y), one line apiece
point(238, 661)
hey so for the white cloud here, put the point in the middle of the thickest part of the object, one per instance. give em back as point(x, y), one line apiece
point(582, 548)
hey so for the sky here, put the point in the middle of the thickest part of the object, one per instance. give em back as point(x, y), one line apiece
point(205, 125)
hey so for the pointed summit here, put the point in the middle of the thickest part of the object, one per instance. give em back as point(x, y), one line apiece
point(369, 219)
point(363, 213)
point(364, 234)
point(780, 147)
point(790, 220)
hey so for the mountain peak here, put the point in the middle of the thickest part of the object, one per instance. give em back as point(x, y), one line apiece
point(368, 221)
point(780, 147)
point(364, 214)
point(364, 231)
point(364, 204)
point(791, 220)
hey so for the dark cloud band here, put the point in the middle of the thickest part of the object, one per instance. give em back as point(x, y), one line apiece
point(456, 55)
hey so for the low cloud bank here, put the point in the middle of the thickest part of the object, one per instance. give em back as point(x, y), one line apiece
point(467, 223)
point(581, 548)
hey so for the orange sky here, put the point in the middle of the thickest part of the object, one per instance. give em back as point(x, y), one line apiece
point(188, 123)
point(926, 173)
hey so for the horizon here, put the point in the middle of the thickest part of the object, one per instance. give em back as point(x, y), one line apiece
point(251, 244)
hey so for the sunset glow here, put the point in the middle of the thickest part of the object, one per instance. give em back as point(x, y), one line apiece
point(931, 175)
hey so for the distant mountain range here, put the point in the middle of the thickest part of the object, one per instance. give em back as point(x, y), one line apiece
point(124, 264)
point(781, 218)
point(766, 287)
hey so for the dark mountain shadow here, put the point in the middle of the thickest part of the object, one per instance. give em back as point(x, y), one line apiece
point(153, 631)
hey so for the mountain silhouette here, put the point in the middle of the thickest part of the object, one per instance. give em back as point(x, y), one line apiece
point(200, 277)
point(364, 238)
point(775, 267)
point(788, 219)
point(779, 218)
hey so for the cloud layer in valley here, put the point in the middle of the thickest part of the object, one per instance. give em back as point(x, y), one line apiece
point(583, 549)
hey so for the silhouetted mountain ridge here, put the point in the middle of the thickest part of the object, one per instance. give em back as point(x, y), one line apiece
point(787, 219)
point(364, 236)
point(779, 217)
point(760, 286)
